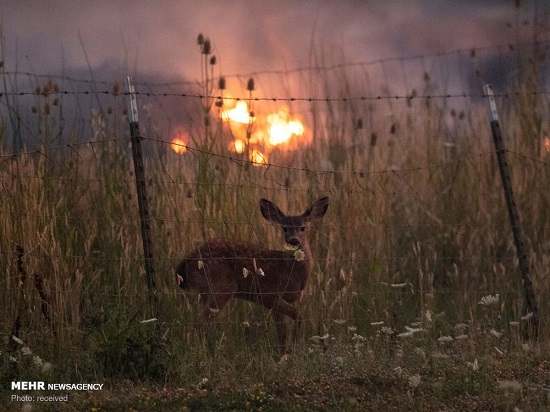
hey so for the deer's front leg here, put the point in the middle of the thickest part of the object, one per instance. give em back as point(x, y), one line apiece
point(280, 327)
point(279, 309)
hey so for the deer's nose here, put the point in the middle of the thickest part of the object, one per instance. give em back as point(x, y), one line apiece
point(293, 241)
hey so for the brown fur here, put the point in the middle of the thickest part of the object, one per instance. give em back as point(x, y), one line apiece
point(221, 269)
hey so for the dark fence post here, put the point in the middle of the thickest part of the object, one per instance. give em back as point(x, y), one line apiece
point(141, 193)
point(529, 294)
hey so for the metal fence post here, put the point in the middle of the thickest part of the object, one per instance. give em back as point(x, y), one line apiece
point(529, 294)
point(141, 193)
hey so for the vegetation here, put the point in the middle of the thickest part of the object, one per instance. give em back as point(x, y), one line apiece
point(415, 297)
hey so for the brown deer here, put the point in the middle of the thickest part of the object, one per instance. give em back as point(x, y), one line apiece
point(221, 269)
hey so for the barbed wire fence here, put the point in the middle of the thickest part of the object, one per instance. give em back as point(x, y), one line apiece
point(415, 253)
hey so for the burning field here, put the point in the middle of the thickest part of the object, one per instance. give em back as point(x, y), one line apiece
point(253, 134)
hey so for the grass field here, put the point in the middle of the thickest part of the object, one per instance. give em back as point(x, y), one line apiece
point(415, 301)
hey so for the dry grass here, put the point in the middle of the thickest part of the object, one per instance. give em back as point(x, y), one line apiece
point(414, 238)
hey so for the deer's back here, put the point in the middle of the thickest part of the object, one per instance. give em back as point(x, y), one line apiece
point(252, 273)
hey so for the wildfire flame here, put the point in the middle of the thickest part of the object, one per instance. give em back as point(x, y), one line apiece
point(178, 142)
point(237, 146)
point(282, 128)
point(238, 114)
point(276, 130)
point(258, 157)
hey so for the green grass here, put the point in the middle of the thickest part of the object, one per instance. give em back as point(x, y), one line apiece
point(414, 238)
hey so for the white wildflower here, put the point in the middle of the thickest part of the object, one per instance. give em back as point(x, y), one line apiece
point(461, 337)
point(428, 315)
point(260, 272)
point(336, 365)
point(410, 331)
point(494, 333)
point(386, 330)
point(398, 285)
point(473, 365)
point(246, 272)
point(17, 340)
point(203, 384)
point(200, 264)
point(489, 300)
point(37, 360)
point(25, 350)
point(528, 316)
point(415, 380)
point(339, 321)
point(461, 326)
point(414, 330)
point(526, 347)
point(445, 339)
point(12, 359)
point(514, 323)
point(318, 339)
point(377, 323)
point(352, 328)
point(405, 334)
point(299, 255)
point(398, 371)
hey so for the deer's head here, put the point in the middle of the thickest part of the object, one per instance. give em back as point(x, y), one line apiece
point(294, 227)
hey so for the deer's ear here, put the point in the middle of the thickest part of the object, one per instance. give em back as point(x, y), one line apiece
point(271, 212)
point(317, 210)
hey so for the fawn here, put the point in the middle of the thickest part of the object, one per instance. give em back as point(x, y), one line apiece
point(221, 269)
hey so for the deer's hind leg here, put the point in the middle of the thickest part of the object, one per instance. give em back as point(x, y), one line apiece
point(210, 305)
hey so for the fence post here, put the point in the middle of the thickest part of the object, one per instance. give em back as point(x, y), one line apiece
point(141, 193)
point(529, 294)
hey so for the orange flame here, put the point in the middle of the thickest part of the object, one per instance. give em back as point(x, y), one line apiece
point(258, 158)
point(178, 142)
point(237, 146)
point(178, 145)
point(281, 128)
point(238, 114)
point(276, 129)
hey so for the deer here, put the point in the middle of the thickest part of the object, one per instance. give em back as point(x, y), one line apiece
point(221, 270)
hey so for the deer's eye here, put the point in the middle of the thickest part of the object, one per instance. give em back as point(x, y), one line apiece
point(285, 229)
point(303, 228)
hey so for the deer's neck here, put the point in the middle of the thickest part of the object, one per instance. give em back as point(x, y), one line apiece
point(304, 253)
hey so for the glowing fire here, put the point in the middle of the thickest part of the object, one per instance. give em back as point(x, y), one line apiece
point(264, 133)
point(277, 129)
point(239, 114)
point(281, 128)
point(178, 144)
point(237, 146)
point(258, 157)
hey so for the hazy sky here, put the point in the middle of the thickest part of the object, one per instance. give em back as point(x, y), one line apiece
point(159, 37)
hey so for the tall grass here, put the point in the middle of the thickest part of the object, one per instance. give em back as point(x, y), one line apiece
point(416, 235)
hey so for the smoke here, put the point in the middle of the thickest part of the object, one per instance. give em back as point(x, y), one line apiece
point(160, 39)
